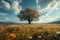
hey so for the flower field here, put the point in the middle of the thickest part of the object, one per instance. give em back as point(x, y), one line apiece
point(30, 32)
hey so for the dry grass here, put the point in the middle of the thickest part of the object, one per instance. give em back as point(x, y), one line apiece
point(35, 27)
point(27, 30)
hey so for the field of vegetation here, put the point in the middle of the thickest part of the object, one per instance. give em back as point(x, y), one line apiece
point(30, 32)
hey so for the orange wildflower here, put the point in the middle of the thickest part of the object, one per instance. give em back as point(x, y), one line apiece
point(12, 36)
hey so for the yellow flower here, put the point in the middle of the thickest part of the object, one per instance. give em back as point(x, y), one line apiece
point(12, 36)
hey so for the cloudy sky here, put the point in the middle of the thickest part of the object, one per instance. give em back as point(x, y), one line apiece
point(48, 9)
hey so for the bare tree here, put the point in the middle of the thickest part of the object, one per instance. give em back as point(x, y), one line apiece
point(29, 15)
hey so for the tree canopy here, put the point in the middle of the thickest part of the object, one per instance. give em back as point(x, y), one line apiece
point(29, 15)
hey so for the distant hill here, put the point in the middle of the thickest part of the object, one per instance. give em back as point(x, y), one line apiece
point(55, 22)
point(9, 23)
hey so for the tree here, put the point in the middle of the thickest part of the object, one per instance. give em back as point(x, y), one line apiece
point(29, 15)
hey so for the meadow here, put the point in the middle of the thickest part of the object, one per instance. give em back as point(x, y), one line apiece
point(30, 32)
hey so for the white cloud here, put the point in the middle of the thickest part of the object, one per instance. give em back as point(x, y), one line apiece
point(3, 14)
point(7, 19)
point(4, 5)
point(4, 19)
point(46, 19)
point(55, 7)
point(15, 6)
point(52, 6)
point(16, 0)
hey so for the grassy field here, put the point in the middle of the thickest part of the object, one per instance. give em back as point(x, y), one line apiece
point(29, 32)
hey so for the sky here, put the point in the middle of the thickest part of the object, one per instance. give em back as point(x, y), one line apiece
point(49, 10)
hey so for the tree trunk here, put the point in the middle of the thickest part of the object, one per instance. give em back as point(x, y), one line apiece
point(29, 22)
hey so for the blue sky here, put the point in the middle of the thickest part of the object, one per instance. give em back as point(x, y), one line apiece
point(48, 9)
